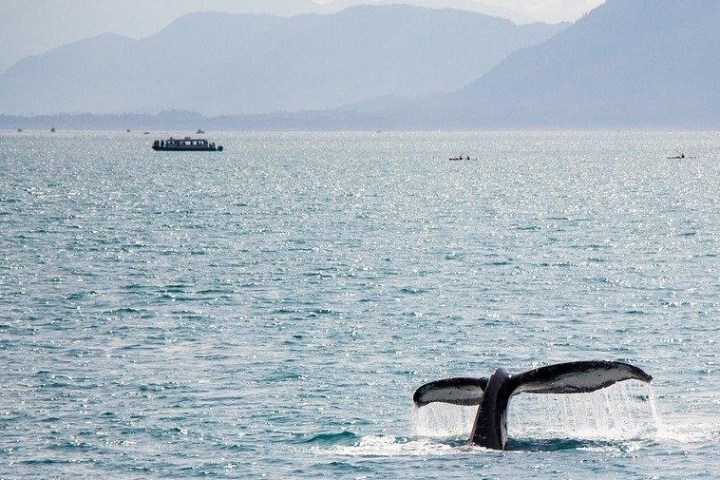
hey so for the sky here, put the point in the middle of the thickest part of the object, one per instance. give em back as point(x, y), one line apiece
point(551, 11)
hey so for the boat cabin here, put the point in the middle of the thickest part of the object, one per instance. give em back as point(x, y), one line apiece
point(186, 144)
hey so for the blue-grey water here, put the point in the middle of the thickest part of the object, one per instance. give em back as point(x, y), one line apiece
point(268, 311)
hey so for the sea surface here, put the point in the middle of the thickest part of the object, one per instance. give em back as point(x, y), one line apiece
point(268, 311)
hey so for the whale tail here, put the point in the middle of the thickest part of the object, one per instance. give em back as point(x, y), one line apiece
point(572, 377)
point(575, 377)
point(457, 391)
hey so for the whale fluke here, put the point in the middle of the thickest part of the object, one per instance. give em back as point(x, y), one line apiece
point(493, 395)
point(458, 391)
point(575, 377)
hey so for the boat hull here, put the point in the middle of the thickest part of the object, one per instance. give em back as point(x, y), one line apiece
point(187, 144)
point(184, 149)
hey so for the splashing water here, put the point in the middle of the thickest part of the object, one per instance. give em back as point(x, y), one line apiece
point(442, 420)
point(622, 412)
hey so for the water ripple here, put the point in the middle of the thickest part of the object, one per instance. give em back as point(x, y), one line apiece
point(269, 311)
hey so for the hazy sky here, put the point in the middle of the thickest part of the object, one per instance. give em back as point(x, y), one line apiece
point(542, 10)
point(549, 10)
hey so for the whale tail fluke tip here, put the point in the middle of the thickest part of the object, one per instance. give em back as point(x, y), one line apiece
point(457, 391)
point(576, 377)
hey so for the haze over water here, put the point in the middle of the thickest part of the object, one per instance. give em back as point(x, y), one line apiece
point(269, 310)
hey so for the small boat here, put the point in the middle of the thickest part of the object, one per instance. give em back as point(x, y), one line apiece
point(681, 156)
point(52, 129)
point(186, 144)
point(459, 159)
point(200, 131)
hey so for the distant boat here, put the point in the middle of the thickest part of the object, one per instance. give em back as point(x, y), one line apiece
point(52, 129)
point(127, 130)
point(460, 158)
point(681, 156)
point(19, 129)
point(186, 144)
point(200, 132)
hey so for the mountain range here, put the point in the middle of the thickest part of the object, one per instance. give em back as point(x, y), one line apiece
point(32, 27)
point(219, 63)
point(627, 64)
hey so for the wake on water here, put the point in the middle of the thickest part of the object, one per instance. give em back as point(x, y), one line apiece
point(623, 417)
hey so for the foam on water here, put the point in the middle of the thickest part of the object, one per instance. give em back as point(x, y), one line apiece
point(689, 430)
point(382, 446)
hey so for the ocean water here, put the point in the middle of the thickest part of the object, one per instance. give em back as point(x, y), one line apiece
point(268, 311)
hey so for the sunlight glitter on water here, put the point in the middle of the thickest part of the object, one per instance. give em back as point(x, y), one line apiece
point(391, 446)
point(269, 311)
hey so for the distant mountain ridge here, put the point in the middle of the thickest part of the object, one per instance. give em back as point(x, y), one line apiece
point(627, 63)
point(33, 27)
point(218, 64)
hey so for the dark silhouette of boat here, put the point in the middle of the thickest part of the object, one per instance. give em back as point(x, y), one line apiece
point(681, 156)
point(186, 144)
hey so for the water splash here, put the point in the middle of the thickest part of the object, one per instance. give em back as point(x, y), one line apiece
point(625, 411)
point(442, 420)
point(620, 419)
